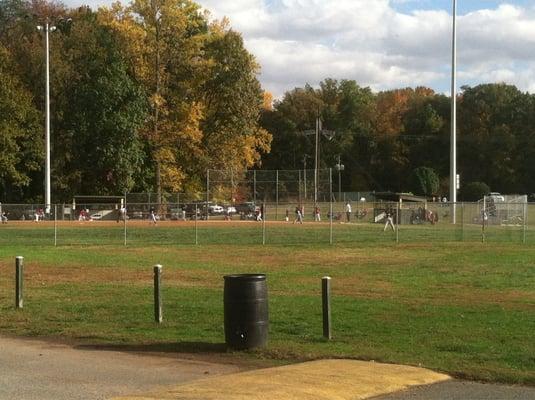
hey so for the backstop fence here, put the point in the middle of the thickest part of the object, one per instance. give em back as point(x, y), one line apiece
point(269, 186)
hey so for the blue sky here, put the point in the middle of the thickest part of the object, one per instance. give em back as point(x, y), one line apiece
point(383, 44)
point(463, 6)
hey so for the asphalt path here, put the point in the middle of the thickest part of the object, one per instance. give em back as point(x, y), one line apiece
point(462, 390)
point(37, 370)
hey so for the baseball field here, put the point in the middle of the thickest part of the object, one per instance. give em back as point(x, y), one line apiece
point(433, 297)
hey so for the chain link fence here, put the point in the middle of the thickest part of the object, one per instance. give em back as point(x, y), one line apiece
point(269, 186)
point(290, 222)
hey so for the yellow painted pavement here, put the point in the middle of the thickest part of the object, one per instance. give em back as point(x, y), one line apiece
point(315, 380)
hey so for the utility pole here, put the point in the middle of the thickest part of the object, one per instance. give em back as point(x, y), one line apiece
point(317, 132)
point(305, 174)
point(47, 28)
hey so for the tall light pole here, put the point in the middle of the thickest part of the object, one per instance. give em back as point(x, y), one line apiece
point(47, 28)
point(453, 149)
point(316, 158)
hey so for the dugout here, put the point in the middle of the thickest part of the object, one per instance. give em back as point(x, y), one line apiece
point(106, 206)
point(408, 206)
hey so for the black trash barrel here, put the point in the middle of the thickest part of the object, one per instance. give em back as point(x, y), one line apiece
point(246, 311)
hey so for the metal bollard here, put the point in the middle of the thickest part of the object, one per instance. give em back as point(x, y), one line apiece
point(326, 302)
point(158, 314)
point(19, 269)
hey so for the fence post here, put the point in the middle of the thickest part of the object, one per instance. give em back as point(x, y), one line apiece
point(462, 221)
point(55, 225)
point(125, 218)
point(326, 306)
point(397, 222)
point(195, 219)
point(277, 197)
point(331, 205)
point(264, 209)
point(207, 192)
point(483, 215)
point(299, 187)
point(158, 315)
point(19, 281)
point(524, 223)
point(305, 182)
point(331, 221)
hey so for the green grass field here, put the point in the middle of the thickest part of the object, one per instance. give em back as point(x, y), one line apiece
point(439, 298)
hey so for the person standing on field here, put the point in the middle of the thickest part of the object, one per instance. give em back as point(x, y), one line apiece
point(389, 221)
point(121, 215)
point(298, 215)
point(317, 214)
point(153, 215)
point(348, 212)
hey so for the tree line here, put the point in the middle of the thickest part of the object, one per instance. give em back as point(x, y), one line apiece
point(147, 96)
point(399, 140)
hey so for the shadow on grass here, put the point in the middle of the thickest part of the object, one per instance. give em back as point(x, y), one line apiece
point(175, 347)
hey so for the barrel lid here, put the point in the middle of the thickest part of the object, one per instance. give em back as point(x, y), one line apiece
point(245, 277)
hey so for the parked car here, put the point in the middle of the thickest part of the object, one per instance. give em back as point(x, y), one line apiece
point(215, 209)
point(246, 208)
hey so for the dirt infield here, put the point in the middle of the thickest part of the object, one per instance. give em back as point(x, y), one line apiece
point(148, 224)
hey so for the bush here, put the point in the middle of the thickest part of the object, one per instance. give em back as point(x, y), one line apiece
point(474, 191)
point(424, 181)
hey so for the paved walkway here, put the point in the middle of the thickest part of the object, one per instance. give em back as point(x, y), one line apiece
point(36, 370)
point(461, 390)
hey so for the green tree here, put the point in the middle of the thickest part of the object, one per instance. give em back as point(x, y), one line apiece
point(295, 113)
point(491, 122)
point(233, 100)
point(21, 140)
point(345, 108)
point(424, 181)
point(165, 40)
point(474, 191)
point(426, 132)
point(103, 110)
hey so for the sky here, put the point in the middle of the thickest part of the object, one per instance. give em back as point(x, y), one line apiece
point(383, 44)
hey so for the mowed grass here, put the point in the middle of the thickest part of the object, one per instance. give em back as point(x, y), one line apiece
point(463, 307)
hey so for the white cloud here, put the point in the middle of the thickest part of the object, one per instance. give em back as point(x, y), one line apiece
point(300, 41)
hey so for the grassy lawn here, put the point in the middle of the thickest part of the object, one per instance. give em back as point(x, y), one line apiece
point(463, 307)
